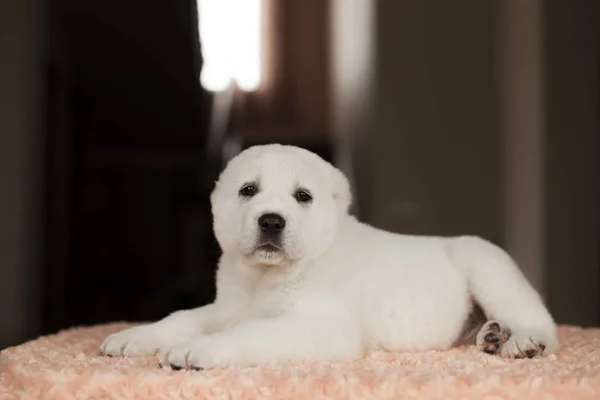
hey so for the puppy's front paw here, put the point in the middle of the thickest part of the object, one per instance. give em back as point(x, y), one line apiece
point(139, 341)
point(198, 354)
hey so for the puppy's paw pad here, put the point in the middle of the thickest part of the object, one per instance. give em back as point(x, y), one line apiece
point(491, 337)
point(490, 348)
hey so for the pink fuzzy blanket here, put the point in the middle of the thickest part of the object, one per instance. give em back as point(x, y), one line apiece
point(67, 366)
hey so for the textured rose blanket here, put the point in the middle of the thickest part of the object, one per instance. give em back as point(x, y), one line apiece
point(67, 366)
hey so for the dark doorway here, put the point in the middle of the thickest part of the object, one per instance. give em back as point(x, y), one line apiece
point(128, 231)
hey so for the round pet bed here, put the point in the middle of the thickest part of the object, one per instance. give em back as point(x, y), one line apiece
point(68, 366)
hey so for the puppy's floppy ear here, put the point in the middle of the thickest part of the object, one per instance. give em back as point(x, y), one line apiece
point(341, 190)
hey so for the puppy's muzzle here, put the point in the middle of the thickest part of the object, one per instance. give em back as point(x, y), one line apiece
point(271, 224)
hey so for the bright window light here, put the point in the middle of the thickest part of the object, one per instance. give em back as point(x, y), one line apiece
point(230, 32)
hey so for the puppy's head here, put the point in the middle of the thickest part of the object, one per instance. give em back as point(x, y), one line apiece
point(275, 205)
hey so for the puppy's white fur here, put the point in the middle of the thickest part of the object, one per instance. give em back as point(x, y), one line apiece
point(338, 287)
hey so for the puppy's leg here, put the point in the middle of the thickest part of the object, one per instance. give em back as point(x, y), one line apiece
point(289, 337)
point(147, 340)
point(519, 324)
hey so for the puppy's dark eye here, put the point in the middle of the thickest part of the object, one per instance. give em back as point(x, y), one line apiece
point(248, 191)
point(302, 196)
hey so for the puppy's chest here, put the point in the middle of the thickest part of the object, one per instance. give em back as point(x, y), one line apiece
point(273, 298)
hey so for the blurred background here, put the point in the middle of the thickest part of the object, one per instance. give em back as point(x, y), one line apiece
point(478, 117)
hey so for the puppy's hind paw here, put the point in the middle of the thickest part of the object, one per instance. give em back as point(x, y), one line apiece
point(522, 345)
point(492, 336)
point(496, 338)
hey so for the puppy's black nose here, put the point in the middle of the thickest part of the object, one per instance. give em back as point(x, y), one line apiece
point(271, 223)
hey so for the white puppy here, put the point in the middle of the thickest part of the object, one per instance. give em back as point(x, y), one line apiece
point(300, 279)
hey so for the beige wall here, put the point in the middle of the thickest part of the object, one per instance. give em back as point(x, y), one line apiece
point(20, 183)
point(427, 155)
point(437, 167)
point(573, 90)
